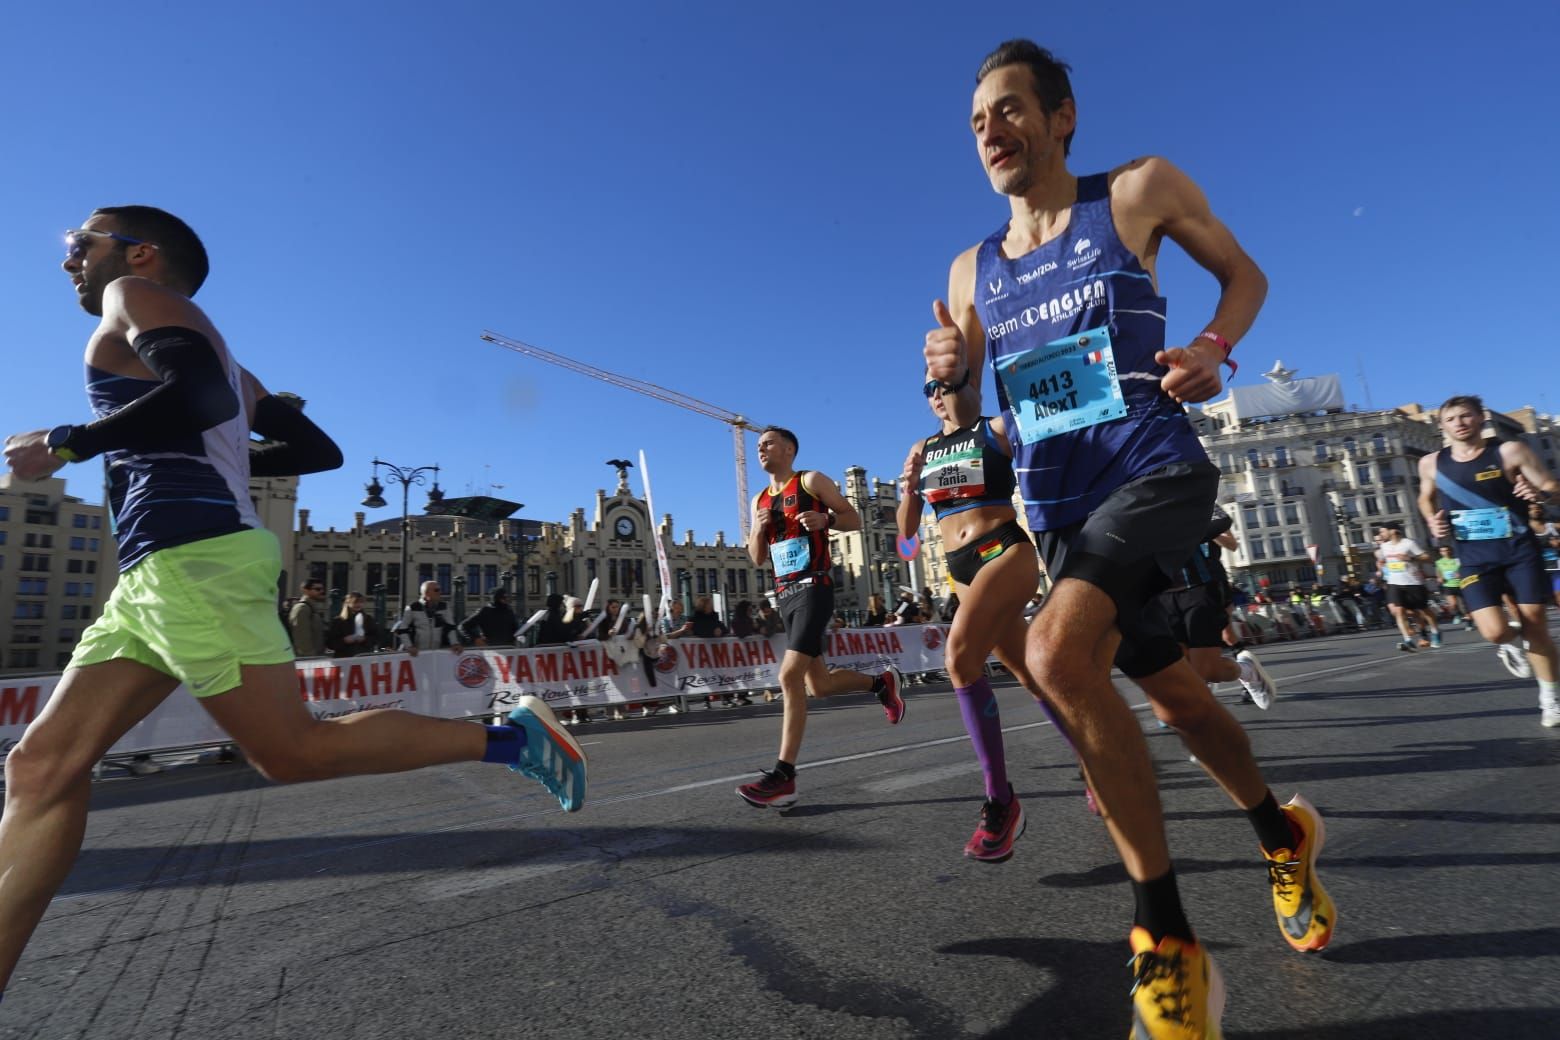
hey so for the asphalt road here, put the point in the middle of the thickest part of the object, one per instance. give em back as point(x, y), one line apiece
point(457, 902)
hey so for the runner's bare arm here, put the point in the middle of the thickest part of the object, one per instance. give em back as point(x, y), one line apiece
point(1434, 516)
point(826, 491)
point(957, 346)
point(908, 516)
point(1530, 476)
point(1152, 200)
point(758, 531)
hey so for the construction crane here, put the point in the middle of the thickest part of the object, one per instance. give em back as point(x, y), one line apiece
point(739, 425)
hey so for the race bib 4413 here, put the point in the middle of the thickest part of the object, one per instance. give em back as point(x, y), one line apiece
point(1067, 384)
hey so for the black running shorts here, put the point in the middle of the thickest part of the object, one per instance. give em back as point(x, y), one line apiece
point(807, 610)
point(1132, 548)
point(966, 561)
point(1409, 597)
point(1196, 615)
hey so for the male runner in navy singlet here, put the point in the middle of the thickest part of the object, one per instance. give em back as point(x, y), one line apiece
point(196, 598)
point(1063, 301)
point(1476, 492)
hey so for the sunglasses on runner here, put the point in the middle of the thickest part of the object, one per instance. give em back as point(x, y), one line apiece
point(78, 241)
point(932, 388)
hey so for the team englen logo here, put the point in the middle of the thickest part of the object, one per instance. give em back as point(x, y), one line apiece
point(1068, 305)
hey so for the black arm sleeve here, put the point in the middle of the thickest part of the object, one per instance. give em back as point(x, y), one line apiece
point(194, 396)
point(295, 445)
point(1218, 524)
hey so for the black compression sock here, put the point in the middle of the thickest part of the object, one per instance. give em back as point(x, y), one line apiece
point(785, 769)
point(1272, 826)
point(878, 685)
point(1159, 909)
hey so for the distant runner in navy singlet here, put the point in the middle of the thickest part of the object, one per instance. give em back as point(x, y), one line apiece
point(1476, 492)
point(792, 518)
point(1062, 300)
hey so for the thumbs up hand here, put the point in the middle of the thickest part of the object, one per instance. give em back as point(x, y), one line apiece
point(946, 355)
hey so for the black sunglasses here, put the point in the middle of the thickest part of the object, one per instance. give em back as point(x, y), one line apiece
point(932, 388)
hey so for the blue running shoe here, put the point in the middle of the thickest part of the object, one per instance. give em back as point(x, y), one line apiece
point(550, 755)
point(1435, 640)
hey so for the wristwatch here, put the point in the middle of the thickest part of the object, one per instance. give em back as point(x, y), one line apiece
point(56, 442)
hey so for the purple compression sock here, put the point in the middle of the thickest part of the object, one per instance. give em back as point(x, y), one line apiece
point(982, 721)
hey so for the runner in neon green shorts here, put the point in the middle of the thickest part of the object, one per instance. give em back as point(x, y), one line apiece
point(196, 598)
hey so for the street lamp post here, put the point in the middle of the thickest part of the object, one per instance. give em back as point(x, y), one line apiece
point(376, 500)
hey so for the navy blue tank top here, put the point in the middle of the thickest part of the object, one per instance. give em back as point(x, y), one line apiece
point(1084, 279)
point(965, 469)
point(1488, 518)
point(186, 489)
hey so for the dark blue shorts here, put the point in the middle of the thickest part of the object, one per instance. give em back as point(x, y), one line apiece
point(1521, 574)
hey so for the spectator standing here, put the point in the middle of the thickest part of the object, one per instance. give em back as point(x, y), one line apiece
point(306, 621)
point(354, 631)
point(551, 630)
point(426, 624)
point(494, 625)
point(877, 611)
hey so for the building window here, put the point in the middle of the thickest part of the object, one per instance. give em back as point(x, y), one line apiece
point(1257, 552)
point(1291, 513)
point(489, 578)
point(742, 581)
point(393, 579)
point(2, 537)
point(72, 566)
point(445, 574)
point(714, 579)
point(1387, 468)
point(78, 543)
point(533, 581)
point(24, 658)
point(5, 512)
point(87, 589)
point(97, 525)
point(1321, 451)
point(376, 576)
point(91, 566)
point(1371, 508)
point(698, 575)
point(34, 563)
point(1394, 503)
point(317, 571)
point(92, 543)
point(78, 520)
point(1281, 455)
point(1254, 457)
point(1378, 443)
point(1249, 515)
point(28, 610)
point(1297, 544)
point(67, 635)
point(86, 613)
point(474, 579)
point(340, 576)
point(612, 575)
point(1270, 516)
point(68, 612)
point(424, 573)
point(73, 588)
point(1276, 546)
point(639, 574)
point(1348, 446)
point(1362, 473)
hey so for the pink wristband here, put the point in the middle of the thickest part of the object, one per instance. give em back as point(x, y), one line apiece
point(1224, 343)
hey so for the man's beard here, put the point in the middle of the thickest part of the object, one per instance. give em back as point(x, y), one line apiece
point(105, 271)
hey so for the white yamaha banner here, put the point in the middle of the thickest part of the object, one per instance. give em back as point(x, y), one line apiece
point(480, 682)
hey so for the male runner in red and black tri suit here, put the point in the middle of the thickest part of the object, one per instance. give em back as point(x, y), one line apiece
point(792, 518)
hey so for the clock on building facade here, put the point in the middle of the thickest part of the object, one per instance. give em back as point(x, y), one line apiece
point(624, 527)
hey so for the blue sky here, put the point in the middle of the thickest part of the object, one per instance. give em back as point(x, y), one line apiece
point(753, 207)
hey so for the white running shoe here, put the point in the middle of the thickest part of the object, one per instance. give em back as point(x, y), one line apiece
point(1515, 660)
point(1549, 714)
point(1260, 687)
